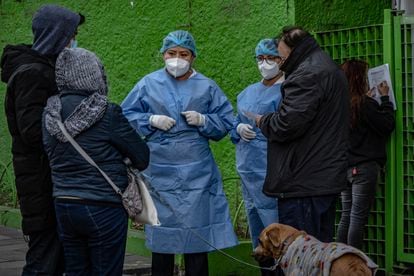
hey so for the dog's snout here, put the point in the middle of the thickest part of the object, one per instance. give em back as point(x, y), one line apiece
point(259, 254)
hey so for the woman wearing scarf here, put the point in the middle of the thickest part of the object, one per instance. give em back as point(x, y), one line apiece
point(92, 222)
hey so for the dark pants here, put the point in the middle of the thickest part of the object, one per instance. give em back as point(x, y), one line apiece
point(356, 203)
point(315, 215)
point(45, 254)
point(196, 264)
point(93, 238)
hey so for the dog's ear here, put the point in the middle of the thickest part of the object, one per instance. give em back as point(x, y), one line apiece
point(274, 237)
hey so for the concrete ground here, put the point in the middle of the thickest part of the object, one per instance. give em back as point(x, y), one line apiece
point(13, 249)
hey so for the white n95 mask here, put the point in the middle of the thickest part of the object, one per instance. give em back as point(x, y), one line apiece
point(177, 66)
point(268, 71)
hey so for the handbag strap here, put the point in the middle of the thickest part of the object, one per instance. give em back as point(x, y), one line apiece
point(86, 156)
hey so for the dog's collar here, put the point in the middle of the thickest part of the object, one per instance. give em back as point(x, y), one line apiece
point(285, 244)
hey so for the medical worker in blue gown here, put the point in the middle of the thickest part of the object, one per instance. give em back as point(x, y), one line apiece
point(251, 146)
point(179, 110)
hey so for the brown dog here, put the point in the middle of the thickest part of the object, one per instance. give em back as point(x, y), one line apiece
point(300, 254)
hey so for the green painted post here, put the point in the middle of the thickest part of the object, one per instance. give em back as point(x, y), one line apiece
point(388, 48)
point(399, 128)
point(403, 57)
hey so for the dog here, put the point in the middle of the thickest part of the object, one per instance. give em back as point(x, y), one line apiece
point(300, 254)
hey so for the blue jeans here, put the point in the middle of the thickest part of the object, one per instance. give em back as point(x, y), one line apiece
point(356, 203)
point(45, 254)
point(93, 238)
point(315, 215)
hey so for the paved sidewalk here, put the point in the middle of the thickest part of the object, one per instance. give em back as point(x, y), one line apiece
point(13, 249)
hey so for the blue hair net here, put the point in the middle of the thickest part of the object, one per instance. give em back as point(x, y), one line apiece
point(267, 46)
point(179, 38)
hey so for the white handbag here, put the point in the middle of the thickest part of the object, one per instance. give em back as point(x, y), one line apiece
point(149, 213)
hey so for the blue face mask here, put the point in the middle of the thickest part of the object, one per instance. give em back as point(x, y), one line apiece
point(73, 43)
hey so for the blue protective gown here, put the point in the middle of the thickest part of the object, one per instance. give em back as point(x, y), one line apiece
point(182, 170)
point(251, 156)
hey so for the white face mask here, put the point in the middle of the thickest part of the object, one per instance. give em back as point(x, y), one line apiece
point(268, 71)
point(177, 66)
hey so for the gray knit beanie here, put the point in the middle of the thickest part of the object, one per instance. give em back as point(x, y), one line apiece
point(80, 69)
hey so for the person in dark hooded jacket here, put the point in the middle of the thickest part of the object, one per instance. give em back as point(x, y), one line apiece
point(29, 73)
point(307, 137)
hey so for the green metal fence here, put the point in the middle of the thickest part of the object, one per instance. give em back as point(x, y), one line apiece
point(389, 237)
point(403, 26)
point(368, 43)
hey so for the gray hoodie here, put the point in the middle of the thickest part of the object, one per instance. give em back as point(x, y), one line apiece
point(53, 27)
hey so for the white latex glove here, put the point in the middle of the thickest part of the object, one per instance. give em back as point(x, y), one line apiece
point(246, 132)
point(162, 122)
point(194, 118)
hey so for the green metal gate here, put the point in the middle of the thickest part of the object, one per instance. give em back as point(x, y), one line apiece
point(404, 36)
point(389, 235)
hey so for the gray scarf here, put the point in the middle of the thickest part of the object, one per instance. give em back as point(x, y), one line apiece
point(86, 114)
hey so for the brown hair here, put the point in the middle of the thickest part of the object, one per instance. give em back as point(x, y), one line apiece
point(356, 73)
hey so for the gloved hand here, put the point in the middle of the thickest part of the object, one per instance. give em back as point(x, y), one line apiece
point(246, 132)
point(194, 118)
point(162, 122)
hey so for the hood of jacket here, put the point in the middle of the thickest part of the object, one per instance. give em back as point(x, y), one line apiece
point(15, 55)
point(53, 27)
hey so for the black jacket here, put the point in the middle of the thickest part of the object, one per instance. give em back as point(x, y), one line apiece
point(369, 137)
point(26, 97)
point(308, 136)
point(107, 142)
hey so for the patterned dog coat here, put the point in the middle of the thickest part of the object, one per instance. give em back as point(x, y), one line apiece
point(308, 256)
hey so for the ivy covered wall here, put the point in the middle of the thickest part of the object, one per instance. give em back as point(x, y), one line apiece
point(323, 15)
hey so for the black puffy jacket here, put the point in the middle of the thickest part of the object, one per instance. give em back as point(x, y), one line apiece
point(27, 93)
point(107, 142)
point(308, 136)
point(369, 137)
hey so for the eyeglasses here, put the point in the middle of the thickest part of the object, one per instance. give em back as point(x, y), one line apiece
point(268, 59)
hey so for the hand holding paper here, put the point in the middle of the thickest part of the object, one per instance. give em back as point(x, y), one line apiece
point(383, 88)
point(253, 117)
point(380, 83)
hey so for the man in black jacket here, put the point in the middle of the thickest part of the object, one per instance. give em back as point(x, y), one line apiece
point(29, 71)
point(307, 137)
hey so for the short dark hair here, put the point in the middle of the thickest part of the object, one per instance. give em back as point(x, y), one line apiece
point(292, 35)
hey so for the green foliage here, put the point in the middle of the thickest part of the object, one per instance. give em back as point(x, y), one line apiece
point(8, 195)
point(339, 14)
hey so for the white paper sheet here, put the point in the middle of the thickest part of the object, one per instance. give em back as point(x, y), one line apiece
point(375, 76)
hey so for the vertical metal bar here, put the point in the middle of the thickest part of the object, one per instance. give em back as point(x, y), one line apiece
point(390, 183)
point(397, 193)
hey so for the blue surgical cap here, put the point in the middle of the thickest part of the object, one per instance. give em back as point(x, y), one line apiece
point(179, 39)
point(268, 47)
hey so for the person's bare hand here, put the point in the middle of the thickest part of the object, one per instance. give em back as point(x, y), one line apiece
point(383, 88)
point(371, 92)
